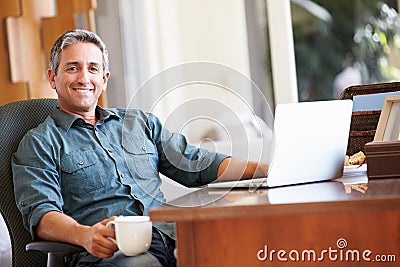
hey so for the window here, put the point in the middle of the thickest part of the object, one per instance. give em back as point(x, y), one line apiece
point(337, 44)
point(340, 43)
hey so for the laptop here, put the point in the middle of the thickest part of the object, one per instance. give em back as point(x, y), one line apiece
point(310, 144)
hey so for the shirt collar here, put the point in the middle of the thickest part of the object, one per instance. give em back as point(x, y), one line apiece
point(65, 120)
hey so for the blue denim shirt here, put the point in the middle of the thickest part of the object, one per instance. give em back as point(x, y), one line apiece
point(93, 172)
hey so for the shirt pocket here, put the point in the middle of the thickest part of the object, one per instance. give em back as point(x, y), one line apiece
point(81, 173)
point(141, 157)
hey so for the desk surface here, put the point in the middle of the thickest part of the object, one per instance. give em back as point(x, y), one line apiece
point(244, 228)
point(318, 197)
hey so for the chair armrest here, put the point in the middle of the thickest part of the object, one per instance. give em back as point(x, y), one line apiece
point(58, 253)
point(54, 247)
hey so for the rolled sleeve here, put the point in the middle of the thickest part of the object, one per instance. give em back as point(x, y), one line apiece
point(210, 174)
point(36, 184)
point(37, 215)
point(182, 162)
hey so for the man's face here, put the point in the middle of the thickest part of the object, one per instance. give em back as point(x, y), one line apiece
point(80, 79)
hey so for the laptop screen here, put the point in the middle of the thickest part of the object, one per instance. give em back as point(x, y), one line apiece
point(310, 141)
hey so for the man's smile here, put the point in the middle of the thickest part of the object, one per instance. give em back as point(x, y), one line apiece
point(82, 90)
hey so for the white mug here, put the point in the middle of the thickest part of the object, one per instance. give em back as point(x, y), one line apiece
point(132, 234)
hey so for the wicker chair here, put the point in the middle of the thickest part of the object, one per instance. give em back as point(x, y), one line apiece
point(364, 123)
point(16, 119)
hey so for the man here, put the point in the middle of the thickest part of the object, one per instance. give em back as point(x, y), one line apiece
point(85, 165)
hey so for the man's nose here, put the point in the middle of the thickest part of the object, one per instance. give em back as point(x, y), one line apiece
point(84, 76)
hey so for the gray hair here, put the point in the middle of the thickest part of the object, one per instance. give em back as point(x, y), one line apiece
point(72, 37)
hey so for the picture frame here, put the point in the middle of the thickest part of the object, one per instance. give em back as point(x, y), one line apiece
point(388, 128)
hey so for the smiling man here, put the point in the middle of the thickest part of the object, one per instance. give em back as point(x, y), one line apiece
point(79, 79)
point(75, 172)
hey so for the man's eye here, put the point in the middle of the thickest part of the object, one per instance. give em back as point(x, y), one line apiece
point(94, 69)
point(72, 68)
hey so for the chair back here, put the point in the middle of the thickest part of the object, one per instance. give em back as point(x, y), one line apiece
point(16, 119)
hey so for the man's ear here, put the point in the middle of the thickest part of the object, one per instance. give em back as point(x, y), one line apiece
point(52, 78)
point(105, 80)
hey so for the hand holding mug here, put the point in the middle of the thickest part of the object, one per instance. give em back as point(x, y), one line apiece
point(132, 234)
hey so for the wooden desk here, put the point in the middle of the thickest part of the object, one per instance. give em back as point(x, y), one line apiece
point(319, 224)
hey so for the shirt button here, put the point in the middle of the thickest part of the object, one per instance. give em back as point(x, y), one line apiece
point(80, 162)
point(23, 203)
point(109, 150)
point(122, 175)
point(144, 148)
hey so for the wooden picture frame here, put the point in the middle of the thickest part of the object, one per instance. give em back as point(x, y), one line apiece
point(388, 128)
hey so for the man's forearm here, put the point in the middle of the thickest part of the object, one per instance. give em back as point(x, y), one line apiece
point(55, 226)
point(235, 169)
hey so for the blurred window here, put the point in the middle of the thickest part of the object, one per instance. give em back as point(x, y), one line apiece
point(341, 43)
point(337, 43)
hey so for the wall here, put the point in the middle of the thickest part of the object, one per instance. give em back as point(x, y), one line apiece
point(156, 36)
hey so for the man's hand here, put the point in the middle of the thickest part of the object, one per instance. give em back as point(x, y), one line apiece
point(96, 240)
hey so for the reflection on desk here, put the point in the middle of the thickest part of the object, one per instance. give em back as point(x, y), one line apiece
point(295, 194)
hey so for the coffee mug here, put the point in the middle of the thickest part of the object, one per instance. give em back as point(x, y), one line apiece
point(132, 234)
